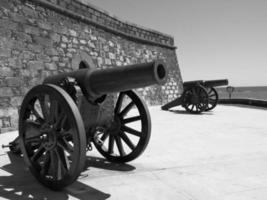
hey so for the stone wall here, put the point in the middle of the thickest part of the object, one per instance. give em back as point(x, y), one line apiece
point(44, 37)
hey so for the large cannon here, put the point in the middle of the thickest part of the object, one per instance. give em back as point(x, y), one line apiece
point(198, 96)
point(61, 118)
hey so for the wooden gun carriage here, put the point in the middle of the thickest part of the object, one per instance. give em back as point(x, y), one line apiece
point(61, 118)
point(198, 96)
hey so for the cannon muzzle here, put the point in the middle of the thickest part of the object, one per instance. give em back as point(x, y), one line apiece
point(96, 82)
point(215, 83)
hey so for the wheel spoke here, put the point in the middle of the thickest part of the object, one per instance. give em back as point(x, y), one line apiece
point(131, 131)
point(104, 137)
point(119, 103)
point(36, 114)
point(38, 153)
point(212, 95)
point(53, 111)
point(63, 122)
point(44, 106)
point(126, 109)
point(120, 146)
point(46, 164)
point(35, 139)
point(54, 164)
point(63, 159)
point(60, 121)
point(68, 134)
point(64, 144)
point(127, 140)
point(131, 119)
point(111, 144)
point(32, 127)
point(193, 106)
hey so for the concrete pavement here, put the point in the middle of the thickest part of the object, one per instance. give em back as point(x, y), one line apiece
point(219, 155)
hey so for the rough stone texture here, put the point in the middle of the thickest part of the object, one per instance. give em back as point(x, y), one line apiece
point(36, 42)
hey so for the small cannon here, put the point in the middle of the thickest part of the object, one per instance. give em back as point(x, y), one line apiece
point(61, 118)
point(198, 96)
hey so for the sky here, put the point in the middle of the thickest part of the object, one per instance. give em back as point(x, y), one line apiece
point(215, 39)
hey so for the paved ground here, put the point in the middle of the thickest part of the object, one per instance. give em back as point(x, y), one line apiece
point(221, 155)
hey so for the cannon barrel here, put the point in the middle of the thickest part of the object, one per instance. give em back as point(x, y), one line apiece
point(97, 82)
point(215, 83)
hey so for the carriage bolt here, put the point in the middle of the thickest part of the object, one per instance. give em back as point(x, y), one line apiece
point(6, 146)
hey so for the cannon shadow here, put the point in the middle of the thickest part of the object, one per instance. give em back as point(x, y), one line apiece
point(22, 185)
point(96, 162)
point(184, 112)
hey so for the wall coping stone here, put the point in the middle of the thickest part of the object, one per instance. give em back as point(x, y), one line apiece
point(103, 20)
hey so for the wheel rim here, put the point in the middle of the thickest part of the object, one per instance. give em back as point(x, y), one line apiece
point(52, 135)
point(130, 131)
point(213, 98)
point(195, 99)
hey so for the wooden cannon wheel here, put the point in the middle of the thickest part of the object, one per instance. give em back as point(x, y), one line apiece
point(129, 134)
point(213, 98)
point(195, 99)
point(53, 140)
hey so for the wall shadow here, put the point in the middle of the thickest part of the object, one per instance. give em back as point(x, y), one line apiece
point(245, 106)
point(22, 185)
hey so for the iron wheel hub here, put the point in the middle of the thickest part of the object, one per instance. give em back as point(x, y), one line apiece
point(49, 136)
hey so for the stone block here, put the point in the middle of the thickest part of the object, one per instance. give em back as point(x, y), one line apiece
point(18, 18)
point(83, 42)
point(4, 52)
point(63, 45)
point(75, 41)
point(71, 50)
point(99, 61)
point(73, 33)
point(37, 48)
point(31, 30)
point(55, 37)
point(46, 42)
point(36, 65)
point(28, 55)
point(14, 63)
point(50, 66)
point(55, 58)
point(8, 24)
point(33, 82)
point(6, 72)
point(107, 61)
point(16, 101)
point(69, 55)
point(44, 25)
point(51, 52)
point(91, 44)
point(14, 81)
point(6, 92)
point(61, 64)
point(64, 39)
point(111, 55)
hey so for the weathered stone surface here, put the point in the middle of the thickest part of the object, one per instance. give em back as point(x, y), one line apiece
point(31, 30)
point(6, 72)
point(36, 65)
point(36, 43)
point(5, 52)
point(44, 25)
point(50, 66)
point(6, 92)
point(14, 81)
point(47, 42)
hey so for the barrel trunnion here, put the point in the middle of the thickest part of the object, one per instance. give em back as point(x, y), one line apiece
point(61, 119)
